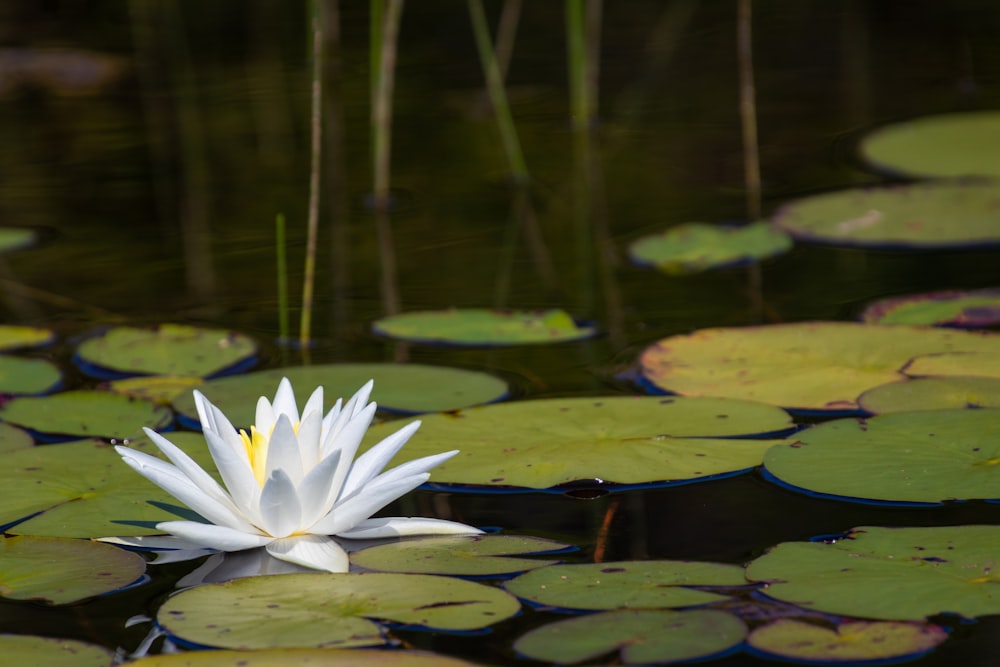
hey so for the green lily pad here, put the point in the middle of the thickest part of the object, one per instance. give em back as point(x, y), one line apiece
point(642, 637)
point(697, 246)
point(480, 326)
point(853, 641)
point(812, 366)
point(410, 388)
point(625, 584)
point(60, 571)
point(83, 489)
point(620, 440)
point(13, 337)
point(16, 238)
point(160, 389)
point(894, 574)
point(21, 375)
point(327, 610)
point(478, 555)
point(941, 146)
point(13, 438)
point(973, 308)
point(301, 657)
point(932, 394)
point(34, 650)
point(936, 214)
point(86, 414)
point(169, 349)
point(922, 457)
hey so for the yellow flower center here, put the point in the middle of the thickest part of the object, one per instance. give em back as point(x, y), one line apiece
point(256, 444)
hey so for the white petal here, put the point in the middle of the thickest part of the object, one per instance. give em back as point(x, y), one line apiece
point(314, 404)
point(186, 465)
point(264, 417)
point(213, 537)
point(280, 510)
point(347, 442)
point(236, 474)
point(171, 480)
point(283, 451)
point(308, 438)
point(284, 401)
point(319, 553)
point(401, 526)
point(351, 409)
point(348, 514)
point(316, 494)
point(331, 417)
point(369, 464)
point(414, 467)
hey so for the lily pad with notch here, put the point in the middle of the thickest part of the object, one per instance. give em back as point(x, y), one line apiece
point(932, 393)
point(696, 246)
point(26, 375)
point(894, 574)
point(482, 326)
point(53, 652)
point(969, 309)
point(85, 414)
point(302, 657)
point(327, 610)
point(907, 457)
point(619, 440)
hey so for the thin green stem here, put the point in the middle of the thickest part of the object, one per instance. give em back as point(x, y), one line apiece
point(382, 103)
point(748, 110)
point(280, 246)
point(576, 55)
point(316, 148)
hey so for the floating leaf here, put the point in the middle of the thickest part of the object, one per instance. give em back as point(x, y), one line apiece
point(973, 308)
point(61, 571)
point(401, 387)
point(937, 214)
point(327, 610)
point(941, 146)
point(853, 641)
point(85, 413)
point(889, 573)
point(480, 555)
point(932, 394)
point(83, 489)
point(13, 438)
point(34, 650)
point(696, 246)
point(169, 349)
point(21, 375)
point(16, 238)
point(623, 440)
point(643, 637)
point(812, 365)
point(479, 326)
point(625, 584)
point(923, 457)
point(301, 657)
point(161, 389)
point(14, 337)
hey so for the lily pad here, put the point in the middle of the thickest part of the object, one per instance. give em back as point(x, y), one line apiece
point(480, 555)
point(480, 326)
point(642, 637)
point(889, 573)
point(941, 146)
point(849, 642)
point(620, 440)
point(13, 337)
point(60, 571)
point(16, 238)
point(626, 584)
point(85, 413)
point(160, 389)
point(697, 246)
point(83, 489)
point(23, 375)
point(327, 610)
point(932, 394)
point(921, 457)
point(937, 214)
point(301, 657)
point(410, 388)
point(812, 366)
point(973, 308)
point(13, 438)
point(34, 650)
point(169, 349)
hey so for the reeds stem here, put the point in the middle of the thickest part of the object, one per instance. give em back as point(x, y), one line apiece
point(280, 246)
point(316, 153)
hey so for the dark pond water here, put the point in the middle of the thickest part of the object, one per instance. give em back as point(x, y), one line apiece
point(159, 179)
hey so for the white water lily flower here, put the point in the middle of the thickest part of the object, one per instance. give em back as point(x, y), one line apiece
point(290, 483)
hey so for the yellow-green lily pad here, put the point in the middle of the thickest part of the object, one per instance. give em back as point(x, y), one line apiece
point(647, 637)
point(13, 337)
point(972, 308)
point(919, 457)
point(13, 438)
point(474, 555)
point(940, 146)
point(302, 657)
point(936, 214)
point(812, 366)
point(61, 571)
point(620, 440)
point(52, 652)
point(86, 414)
point(481, 326)
point(935, 393)
point(160, 389)
point(327, 610)
point(169, 349)
point(653, 584)
point(16, 238)
point(25, 375)
point(698, 246)
point(849, 642)
point(894, 574)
